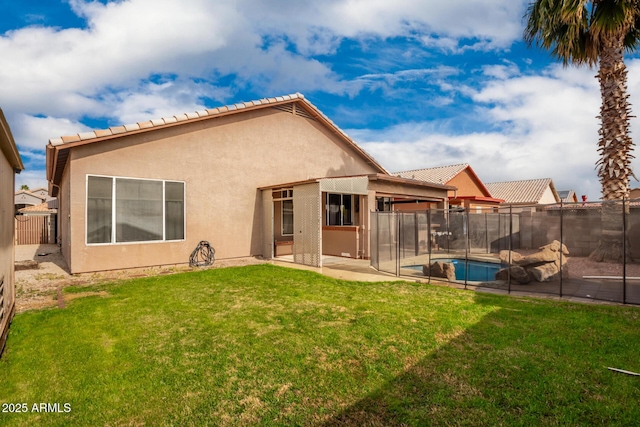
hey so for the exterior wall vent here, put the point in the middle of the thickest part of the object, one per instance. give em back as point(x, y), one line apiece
point(296, 110)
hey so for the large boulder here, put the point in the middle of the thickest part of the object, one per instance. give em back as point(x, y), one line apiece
point(518, 274)
point(544, 256)
point(441, 269)
point(505, 258)
point(555, 247)
point(542, 266)
point(545, 272)
point(548, 272)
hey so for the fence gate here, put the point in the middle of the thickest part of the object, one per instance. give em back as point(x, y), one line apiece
point(32, 229)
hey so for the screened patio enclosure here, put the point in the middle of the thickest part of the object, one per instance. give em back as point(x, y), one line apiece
point(330, 216)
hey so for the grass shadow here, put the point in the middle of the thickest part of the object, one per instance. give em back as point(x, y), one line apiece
point(506, 370)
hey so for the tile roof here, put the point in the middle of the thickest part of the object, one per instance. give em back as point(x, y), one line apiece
point(439, 175)
point(42, 207)
point(193, 116)
point(525, 191)
point(57, 149)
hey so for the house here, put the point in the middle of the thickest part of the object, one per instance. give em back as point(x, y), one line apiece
point(10, 164)
point(568, 196)
point(260, 178)
point(37, 224)
point(525, 194)
point(470, 193)
point(24, 198)
point(634, 193)
point(43, 192)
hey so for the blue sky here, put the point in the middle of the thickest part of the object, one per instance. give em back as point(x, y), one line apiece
point(416, 83)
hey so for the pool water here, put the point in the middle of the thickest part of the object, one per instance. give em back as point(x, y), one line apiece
point(477, 271)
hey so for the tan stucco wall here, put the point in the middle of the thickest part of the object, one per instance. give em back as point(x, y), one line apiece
point(223, 161)
point(547, 197)
point(7, 227)
point(341, 241)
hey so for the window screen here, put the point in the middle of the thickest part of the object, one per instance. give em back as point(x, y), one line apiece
point(174, 210)
point(99, 209)
point(287, 217)
point(333, 211)
point(138, 210)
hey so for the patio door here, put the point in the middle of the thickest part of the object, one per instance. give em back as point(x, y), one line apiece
point(307, 225)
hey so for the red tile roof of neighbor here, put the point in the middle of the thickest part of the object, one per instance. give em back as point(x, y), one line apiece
point(440, 174)
point(42, 207)
point(56, 146)
point(444, 174)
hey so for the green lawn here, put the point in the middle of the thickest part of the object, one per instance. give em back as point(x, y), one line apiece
point(274, 346)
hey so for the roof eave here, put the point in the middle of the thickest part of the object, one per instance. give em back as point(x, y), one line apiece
point(8, 145)
point(415, 182)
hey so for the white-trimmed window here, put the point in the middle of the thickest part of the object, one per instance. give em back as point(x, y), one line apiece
point(339, 209)
point(122, 210)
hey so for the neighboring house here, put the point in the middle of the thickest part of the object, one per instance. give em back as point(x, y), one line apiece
point(470, 193)
point(37, 224)
point(24, 198)
point(634, 193)
point(36, 221)
point(529, 193)
point(10, 164)
point(43, 192)
point(259, 178)
point(568, 196)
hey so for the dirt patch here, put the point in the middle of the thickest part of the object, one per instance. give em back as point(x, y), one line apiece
point(38, 288)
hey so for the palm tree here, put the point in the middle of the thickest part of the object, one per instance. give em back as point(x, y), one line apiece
point(594, 32)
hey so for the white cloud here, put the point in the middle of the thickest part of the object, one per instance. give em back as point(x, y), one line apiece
point(32, 178)
point(442, 24)
point(548, 128)
point(33, 133)
point(501, 71)
point(155, 100)
point(125, 42)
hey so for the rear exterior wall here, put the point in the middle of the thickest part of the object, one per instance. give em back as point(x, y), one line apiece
point(223, 162)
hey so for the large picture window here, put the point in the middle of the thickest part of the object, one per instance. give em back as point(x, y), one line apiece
point(339, 209)
point(121, 210)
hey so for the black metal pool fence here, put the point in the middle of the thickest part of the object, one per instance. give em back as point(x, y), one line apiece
point(403, 241)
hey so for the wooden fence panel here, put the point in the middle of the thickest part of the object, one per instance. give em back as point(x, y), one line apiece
point(32, 229)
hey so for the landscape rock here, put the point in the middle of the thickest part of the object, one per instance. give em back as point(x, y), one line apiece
point(542, 266)
point(441, 269)
point(504, 257)
point(518, 274)
point(544, 256)
point(555, 247)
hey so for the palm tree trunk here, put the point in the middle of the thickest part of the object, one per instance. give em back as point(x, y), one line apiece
point(614, 146)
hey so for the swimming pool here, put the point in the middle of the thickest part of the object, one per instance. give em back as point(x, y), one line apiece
point(477, 271)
